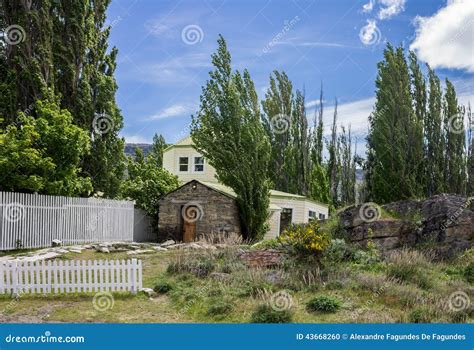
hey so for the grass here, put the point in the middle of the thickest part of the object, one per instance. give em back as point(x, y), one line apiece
point(188, 292)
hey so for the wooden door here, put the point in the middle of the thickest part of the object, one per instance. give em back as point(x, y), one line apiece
point(189, 224)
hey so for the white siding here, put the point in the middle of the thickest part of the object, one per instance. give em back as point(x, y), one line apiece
point(171, 159)
point(318, 208)
point(274, 224)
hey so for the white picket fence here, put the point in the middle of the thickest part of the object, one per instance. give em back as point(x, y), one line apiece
point(74, 276)
point(34, 221)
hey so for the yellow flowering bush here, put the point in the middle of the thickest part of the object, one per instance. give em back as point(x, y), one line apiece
point(307, 239)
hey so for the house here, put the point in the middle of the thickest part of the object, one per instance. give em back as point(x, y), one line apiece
point(202, 205)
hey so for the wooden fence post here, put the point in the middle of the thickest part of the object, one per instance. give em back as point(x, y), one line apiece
point(14, 270)
point(134, 276)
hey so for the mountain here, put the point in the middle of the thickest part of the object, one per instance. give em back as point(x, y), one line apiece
point(130, 148)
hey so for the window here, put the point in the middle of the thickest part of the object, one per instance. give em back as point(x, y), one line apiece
point(285, 218)
point(183, 163)
point(198, 164)
point(322, 216)
point(312, 215)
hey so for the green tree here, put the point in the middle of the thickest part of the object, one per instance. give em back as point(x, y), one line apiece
point(470, 153)
point(455, 168)
point(391, 159)
point(415, 138)
point(278, 107)
point(65, 52)
point(43, 154)
point(433, 131)
point(333, 166)
point(228, 131)
point(157, 148)
point(146, 183)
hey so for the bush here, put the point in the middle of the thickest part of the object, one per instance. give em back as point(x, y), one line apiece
point(305, 239)
point(337, 251)
point(266, 314)
point(406, 266)
point(469, 272)
point(421, 314)
point(220, 308)
point(323, 303)
point(162, 287)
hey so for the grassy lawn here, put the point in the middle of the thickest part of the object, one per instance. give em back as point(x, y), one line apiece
point(215, 286)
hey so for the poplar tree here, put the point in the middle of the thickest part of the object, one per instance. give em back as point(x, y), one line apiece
point(278, 112)
point(229, 133)
point(64, 54)
point(455, 166)
point(393, 172)
point(433, 132)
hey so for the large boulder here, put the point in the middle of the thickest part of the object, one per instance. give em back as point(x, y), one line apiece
point(445, 223)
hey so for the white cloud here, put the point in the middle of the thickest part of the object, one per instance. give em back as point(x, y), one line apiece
point(136, 139)
point(368, 7)
point(390, 8)
point(446, 40)
point(370, 33)
point(176, 110)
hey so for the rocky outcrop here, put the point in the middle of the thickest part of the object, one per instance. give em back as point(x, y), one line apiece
point(445, 223)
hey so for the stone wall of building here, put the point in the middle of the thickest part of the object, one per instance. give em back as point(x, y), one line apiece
point(217, 213)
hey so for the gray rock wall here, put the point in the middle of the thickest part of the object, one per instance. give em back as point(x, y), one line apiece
point(218, 213)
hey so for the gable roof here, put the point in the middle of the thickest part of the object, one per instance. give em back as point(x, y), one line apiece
point(184, 142)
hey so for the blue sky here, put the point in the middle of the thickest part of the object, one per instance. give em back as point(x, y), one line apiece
point(165, 47)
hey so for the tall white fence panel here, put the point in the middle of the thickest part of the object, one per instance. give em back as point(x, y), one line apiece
point(70, 276)
point(34, 221)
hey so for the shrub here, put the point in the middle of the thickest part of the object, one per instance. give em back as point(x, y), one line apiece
point(305, 239)
point(323, 303)
point(266, 314)
point(407, 266)
point(220, 308)
point(337, 251)
point(422, 314)
point(162, 287)
point(469, 272)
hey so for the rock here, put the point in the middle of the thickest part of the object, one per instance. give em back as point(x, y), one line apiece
point(62, 251)
point(77, 251)
point(148, 291)
point(47, 256)
point(262, 257)
point(220, 276)
point(160, 249)
point(6, 258)
point(168, 243)
point(103, 250)
point(56, 243)
point(140, 251)
point(443, 222)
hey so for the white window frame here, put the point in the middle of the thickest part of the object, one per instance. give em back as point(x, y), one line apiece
point(315, 217)
point(321, 214)
point(179, 165)
point(194, 164)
